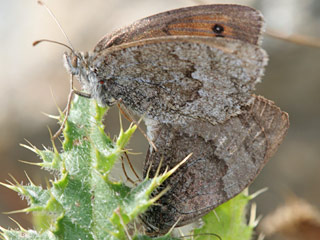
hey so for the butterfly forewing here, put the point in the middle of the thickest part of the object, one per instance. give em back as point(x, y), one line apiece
point(228, 21)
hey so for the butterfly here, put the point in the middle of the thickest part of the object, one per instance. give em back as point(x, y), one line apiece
point(199, 62)
point(226, 158)
point(191, 73)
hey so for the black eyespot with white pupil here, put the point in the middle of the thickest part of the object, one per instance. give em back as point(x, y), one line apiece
point(218, 29)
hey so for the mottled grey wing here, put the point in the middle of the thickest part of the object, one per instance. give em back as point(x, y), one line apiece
point(237, 22)
point(226, 159)
point(173, 79)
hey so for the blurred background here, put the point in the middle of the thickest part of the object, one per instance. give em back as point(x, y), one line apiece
point(33, 80)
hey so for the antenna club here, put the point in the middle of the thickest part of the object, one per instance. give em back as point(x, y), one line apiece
point(40, 2)
point(36, 43)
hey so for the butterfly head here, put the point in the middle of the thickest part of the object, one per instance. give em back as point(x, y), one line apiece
point(76, 64)
point(79, 64)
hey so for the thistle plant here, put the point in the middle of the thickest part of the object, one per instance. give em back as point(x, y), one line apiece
point(82, 202)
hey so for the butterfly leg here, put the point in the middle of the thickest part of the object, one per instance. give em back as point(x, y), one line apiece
point(67, 109)
point(125, 112)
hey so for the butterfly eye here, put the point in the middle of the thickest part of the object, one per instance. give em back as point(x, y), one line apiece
point(218, 29)
point(74, 61)
point(101, 82)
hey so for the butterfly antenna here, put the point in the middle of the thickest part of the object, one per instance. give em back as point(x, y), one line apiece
point(57, 22)
point(52, 41)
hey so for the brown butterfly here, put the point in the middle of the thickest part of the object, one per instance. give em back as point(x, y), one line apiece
point(226, 159)
point(191, 73)
point(199, 62)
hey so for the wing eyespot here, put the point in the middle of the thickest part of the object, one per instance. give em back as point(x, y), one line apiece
point(218, 30)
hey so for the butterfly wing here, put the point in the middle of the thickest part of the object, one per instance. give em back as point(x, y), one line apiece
point(174, 78)
point(226, 159)
point(217, 20)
